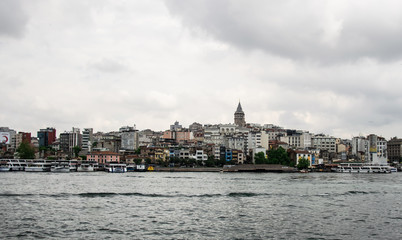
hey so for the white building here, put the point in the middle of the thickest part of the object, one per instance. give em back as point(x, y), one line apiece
point(212, 135)
point(129, 138)
point(378, 149)
point(253, 141)
point(200, 155)
point(217, 152)
point(235, 142)
point(304, 154)
point(87, 139)
point(75, 139)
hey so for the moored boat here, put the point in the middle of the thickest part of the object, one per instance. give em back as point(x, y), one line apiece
point(116, 168)
point(73, 165)
point(141, 168)
point(38, 165)
point(130, 168)
point(87, 166)
point(363, 168)
point(12, 165)
point(61, 166)
point(4, 166)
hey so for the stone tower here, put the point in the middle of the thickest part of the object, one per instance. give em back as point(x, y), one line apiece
point(239, 119)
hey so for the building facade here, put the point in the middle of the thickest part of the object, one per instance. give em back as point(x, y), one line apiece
point(394, 150)
point(46, 137)
point(87, 139)
point(103, 157)
point(323, 142)
point(129, 138)
point(22, 137)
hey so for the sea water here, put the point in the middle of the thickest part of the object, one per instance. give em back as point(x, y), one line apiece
point(156, 205)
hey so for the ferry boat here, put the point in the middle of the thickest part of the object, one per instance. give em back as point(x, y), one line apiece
point(116, 168)
point(62, 166)
point(4, 166)
point(363, 168)
point(73, 165)
point(87, 166)
point(38, 165)
point(12, 165)
point(18, 164)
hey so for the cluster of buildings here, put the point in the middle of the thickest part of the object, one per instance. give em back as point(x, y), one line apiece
point(235, 143)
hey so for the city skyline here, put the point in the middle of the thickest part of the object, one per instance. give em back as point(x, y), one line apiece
point(333, 68)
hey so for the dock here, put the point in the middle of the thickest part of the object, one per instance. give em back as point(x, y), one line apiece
point(232, 168)
point(259, 168)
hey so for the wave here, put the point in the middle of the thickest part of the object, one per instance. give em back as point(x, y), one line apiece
point(178, 195)
point(232, 194)
point(111, 194)
point(244, 194)
point(359, 192)
point(181, 177)
point(135, 194)
point(16, 194)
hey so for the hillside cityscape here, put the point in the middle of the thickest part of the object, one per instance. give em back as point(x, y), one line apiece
point(209, 145)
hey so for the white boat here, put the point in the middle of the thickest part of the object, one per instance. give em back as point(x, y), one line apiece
point(363, 168)
point(60, 166)
point(116, 168)
point(141, 168)
point(12, 165)
point(73, 165)
point(4, 166)
point(87, 166)
point(18, 164)
point(38, 165)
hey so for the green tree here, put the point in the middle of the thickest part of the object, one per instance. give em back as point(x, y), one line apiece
point(148, 161)
point(138, 151)
point(279, 156)
point(43, 148)
point(210, 162)
point(138, 161)
point(259, 158)
point(221, 162)
point(191, 162)
point(76, 150)
point(174, 160)
point(26, 151)
point(303, 163)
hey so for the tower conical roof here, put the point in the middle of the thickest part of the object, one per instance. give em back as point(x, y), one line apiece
point(239, 109)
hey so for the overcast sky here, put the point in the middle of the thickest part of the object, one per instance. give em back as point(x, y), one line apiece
point(332, 67)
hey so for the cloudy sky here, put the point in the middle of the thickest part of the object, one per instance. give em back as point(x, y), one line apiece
point(332, 67)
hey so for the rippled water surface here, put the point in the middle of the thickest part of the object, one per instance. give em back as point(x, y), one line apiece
point(201, 205)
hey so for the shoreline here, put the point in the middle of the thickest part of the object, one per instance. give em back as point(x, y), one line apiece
point(235, 168)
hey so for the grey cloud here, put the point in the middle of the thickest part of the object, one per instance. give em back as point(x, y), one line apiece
point(318, 31)
point(13, 20)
